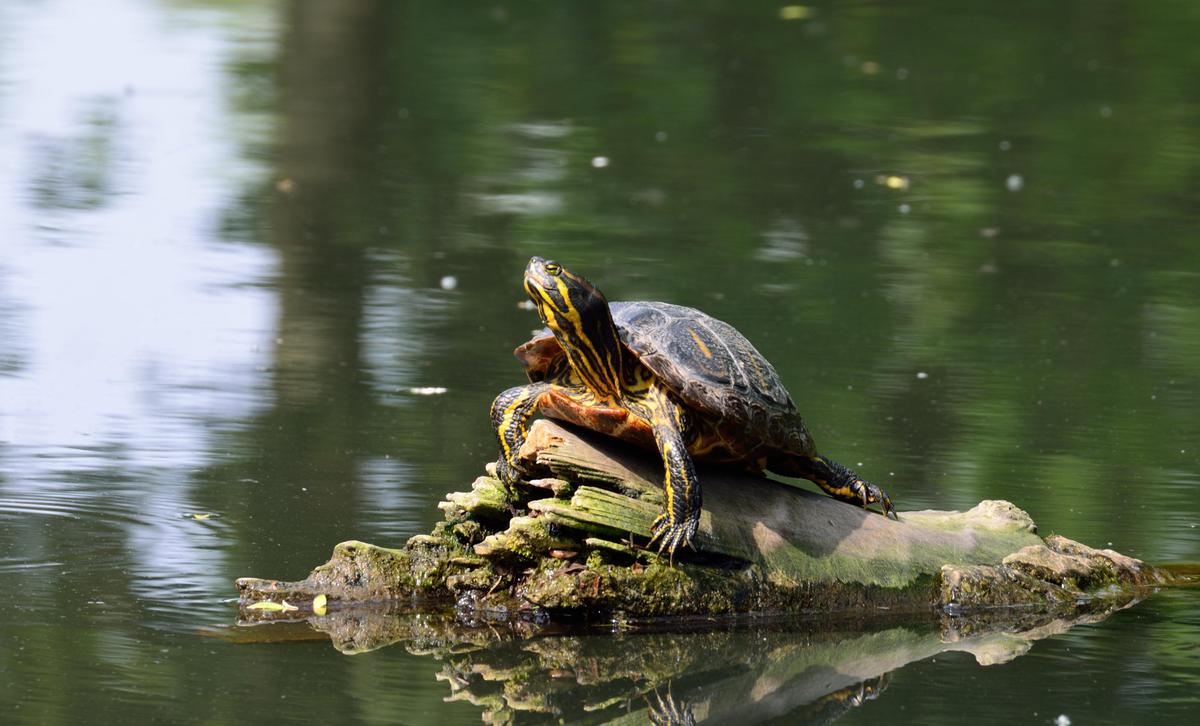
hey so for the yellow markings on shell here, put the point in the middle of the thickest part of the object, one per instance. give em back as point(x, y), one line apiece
point(758, 371)
point(700, 344)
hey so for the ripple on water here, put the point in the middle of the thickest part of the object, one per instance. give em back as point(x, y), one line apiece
point(106, 536)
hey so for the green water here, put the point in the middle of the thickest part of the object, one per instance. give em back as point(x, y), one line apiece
point(235, 236)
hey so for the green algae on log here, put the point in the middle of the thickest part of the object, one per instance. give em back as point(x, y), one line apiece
point(570, 543)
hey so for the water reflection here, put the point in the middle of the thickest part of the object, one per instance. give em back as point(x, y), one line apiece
point(134, 340)
point(751, 670)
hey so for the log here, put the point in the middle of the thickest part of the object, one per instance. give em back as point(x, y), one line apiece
point(570, 542)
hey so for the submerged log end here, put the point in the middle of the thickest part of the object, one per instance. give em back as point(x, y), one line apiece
point(1059, 571)
point(360, 571)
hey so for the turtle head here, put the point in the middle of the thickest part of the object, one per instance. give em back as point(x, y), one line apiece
point(560, 295)
point(578, 315)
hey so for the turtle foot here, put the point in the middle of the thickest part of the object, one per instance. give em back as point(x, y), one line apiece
point(671, 535)
point(508, 474)
point(868, 493)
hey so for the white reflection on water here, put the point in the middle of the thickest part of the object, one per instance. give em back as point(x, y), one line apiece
point(130, 323)
point(131, 335)
point(388, 510)
point(396, 316)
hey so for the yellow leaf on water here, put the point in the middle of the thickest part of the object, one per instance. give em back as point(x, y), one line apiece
point(201, 517)
point(795, 12)
point(265, 605)
point(319, 605)
point(893, 181)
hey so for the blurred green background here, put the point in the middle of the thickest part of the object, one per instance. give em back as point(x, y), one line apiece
point(236, 236)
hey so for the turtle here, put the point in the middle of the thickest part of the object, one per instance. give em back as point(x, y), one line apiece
point(665, 377)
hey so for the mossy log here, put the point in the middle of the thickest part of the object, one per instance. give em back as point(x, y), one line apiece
point(570, 542)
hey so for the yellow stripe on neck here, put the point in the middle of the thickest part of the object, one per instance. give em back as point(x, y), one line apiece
point(599, 368)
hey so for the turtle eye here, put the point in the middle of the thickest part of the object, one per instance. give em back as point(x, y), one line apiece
point(553, 268)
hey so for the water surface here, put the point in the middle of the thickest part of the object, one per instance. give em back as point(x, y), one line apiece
point(235, 237)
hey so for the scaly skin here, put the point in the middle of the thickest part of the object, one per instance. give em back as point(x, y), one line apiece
point(839, 482)
point(604, 387)
point(511, 412)
point(641, 413)
point(676, 526)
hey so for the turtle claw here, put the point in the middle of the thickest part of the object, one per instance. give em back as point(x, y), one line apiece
point(508, 474)
point(671, 535)
point(888, 509)
point(871, 494)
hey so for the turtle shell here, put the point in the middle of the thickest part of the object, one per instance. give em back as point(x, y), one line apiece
point(705, 362)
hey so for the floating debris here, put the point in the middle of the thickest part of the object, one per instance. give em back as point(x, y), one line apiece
point(427, 390)
point(893, 181)
point(271, 606)
point(922, 375)
point(318, 605)
point(449, 282)
point(599, 162)
point(795, 12)
point(531, 203)
point(1014, 182)
point(201, 516)
point(544, 130)
point(652, 196)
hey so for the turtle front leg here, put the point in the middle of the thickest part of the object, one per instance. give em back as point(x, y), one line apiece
point(511, 412)
point(677, 524)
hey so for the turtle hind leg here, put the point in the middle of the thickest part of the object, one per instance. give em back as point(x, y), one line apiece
point(841, 482)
